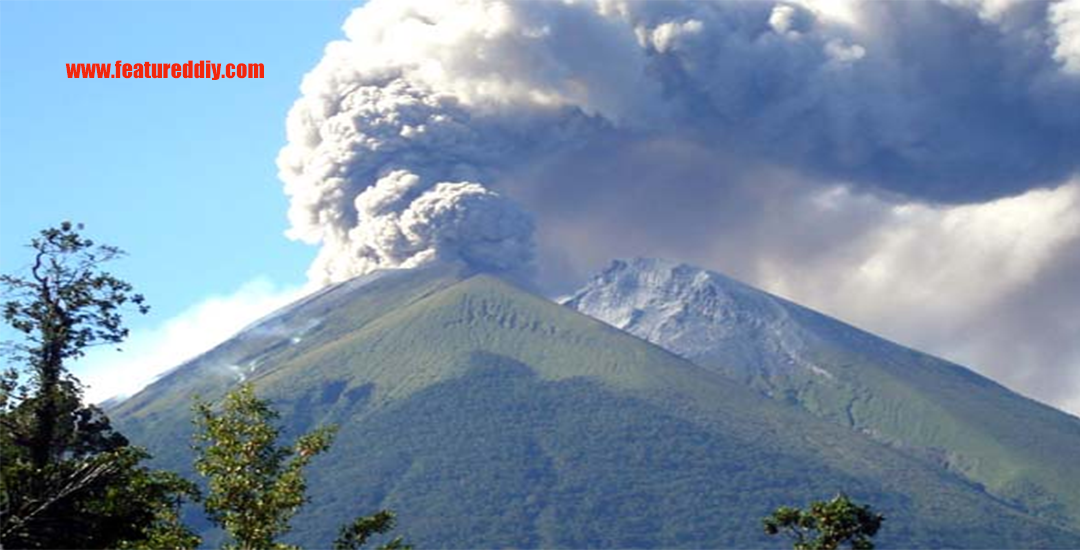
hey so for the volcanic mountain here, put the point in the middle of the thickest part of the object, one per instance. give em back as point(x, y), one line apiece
point(486, 416)
point(1020, 450)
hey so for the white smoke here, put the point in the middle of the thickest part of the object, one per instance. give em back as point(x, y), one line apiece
point(1065, 17)
point(427, 90)
point(476, 90)
point(405, 223)
point(701, 131)
point(151, 351)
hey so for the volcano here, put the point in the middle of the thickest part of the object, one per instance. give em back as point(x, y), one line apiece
point(1020, 450)
point(488, 416)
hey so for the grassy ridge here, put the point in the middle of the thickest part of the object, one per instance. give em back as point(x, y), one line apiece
point(1020, 450)
point(491, 417)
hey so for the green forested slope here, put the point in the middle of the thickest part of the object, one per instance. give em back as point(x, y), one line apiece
point(1022, 451)
point(487, 416)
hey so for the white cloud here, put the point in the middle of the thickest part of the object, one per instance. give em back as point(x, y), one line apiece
point(1065, 19)
point(978, 284)
point(706, 132)
point(947, 260)
point(150, 352)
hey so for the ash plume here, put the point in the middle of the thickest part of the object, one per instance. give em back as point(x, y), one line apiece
point(407, 223)
point(760, 138)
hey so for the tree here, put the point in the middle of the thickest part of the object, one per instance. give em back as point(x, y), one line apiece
point(164, 529)
point(66, 305)
point(827, 525)
point(68, 479)
point(255, 487)
point(356, 534)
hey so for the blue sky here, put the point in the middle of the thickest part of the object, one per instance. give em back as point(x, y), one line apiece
point(180, 173)
point(813, 148)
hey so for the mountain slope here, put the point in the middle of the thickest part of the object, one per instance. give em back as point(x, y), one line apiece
point(1020, 450)
point(488, 416)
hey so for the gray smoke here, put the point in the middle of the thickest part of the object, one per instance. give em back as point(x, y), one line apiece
point(879, 160)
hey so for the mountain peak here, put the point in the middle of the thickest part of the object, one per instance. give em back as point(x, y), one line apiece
point(695, 312)
point(578, 424)
point(932, 408)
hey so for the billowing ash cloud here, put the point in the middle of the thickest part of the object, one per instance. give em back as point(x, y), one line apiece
point(404, 222)
point(855, 91)
point(805, 146)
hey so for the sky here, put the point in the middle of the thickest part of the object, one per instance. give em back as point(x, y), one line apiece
point(179, 173)
point(910, 167)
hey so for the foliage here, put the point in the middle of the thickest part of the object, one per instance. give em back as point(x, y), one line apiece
point(105, 500)
point(357, 533)
point(827, 525)
point(68, 479)
point(67, 303)
point(64, 305)
point(164, 528)
point(256, 486)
